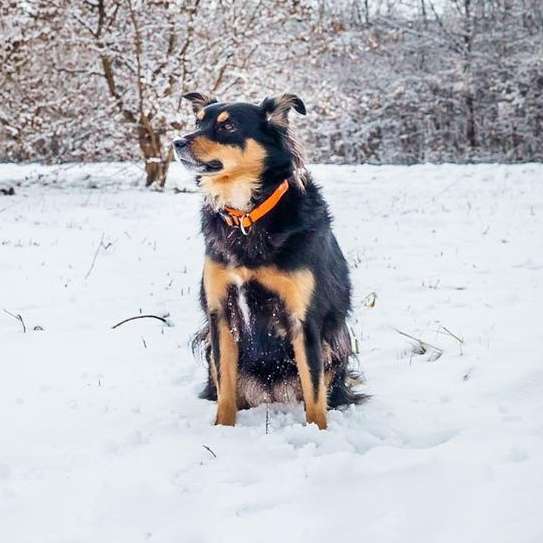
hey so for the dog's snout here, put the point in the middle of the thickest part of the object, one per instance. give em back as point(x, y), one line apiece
point(180, 143)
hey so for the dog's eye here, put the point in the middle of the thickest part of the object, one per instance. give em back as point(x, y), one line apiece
point(227, 126)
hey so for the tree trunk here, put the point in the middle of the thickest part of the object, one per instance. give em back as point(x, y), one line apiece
point(470, 128)
point(157, 159)
point(469, 22)
point(156, 170)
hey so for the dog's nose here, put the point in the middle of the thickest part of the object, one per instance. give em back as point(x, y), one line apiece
point(180, 143)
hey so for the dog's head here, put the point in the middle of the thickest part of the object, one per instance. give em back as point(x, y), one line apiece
point(239, 149)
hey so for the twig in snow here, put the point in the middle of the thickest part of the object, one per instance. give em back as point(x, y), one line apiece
point(448, 332)
point(209, 450)
point(100, 246)
point(165, 321)
point(354, 341)
point(423, 347)
point(17, 317)
point(267, 418)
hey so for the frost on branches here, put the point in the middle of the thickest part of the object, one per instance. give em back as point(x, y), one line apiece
point(401, 82)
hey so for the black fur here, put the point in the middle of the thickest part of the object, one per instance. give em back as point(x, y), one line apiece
point(295, 235)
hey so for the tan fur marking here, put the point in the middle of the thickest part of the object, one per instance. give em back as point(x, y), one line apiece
point(227, 392)
point(201, 114)
point(216, 281)
point(294, 288)
point(239, 178)
point(315, 404)
point(223, 116)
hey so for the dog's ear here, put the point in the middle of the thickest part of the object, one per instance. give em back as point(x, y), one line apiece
point(277, 108)
point(199, 101)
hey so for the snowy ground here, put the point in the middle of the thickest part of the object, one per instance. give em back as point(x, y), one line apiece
point(103, 438)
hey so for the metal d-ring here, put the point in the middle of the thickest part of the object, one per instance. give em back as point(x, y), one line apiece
point(241, 227)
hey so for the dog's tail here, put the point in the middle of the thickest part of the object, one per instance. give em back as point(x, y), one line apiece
point(345, 379)
point(201, 347)
point(343, 391)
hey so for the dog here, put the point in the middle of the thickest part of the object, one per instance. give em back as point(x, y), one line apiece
point(275, 286)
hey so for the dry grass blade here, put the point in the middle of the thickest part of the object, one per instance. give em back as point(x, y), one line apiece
point(209, 450)
point(100, 245)
point(422, 347)
point(370, 299)
point(444, 329)
point(17, 317)
point(355, 346)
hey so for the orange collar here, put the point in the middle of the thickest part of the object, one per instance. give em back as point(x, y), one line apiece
point(244, 221)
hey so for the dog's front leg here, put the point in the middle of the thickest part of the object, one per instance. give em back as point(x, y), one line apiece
point(307, 353)
point(225, 361)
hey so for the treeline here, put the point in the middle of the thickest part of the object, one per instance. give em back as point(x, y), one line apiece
point(384, 82)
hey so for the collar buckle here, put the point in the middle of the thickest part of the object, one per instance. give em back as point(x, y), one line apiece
point(245, 221)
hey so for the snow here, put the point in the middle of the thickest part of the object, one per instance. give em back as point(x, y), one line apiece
point(103, 437)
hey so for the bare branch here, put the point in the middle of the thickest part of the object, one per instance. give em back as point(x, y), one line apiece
point(165, 321)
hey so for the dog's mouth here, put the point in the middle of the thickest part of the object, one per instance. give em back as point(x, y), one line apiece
point(199, 166)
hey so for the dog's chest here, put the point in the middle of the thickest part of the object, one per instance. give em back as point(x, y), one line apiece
point(256, 249)
point(255, 314)
point(251, 289)
point(250, 302)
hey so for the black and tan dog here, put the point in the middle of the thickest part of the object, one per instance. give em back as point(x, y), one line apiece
point(275, 285)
